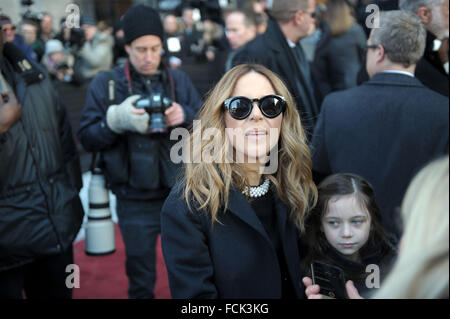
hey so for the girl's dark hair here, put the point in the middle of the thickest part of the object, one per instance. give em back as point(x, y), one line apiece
point(341, 185)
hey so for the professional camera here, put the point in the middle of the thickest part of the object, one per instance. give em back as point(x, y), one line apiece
point(61, 66)
point(28, 15)
point(155, 105)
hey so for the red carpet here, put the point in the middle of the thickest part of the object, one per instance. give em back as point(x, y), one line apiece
point(103, 277)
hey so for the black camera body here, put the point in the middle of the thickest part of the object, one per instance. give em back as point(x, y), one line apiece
point(61, 66)
point(36, 17)
point(155, 105)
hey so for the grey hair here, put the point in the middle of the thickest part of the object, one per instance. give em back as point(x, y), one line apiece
point(414, 5)
point(402, 36)
point(284, 10)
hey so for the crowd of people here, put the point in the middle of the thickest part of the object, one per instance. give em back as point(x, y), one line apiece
point(315, 121)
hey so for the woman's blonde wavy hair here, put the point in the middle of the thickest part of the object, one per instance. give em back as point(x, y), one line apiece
point(421, 270)
point(339, 16)
point(208, 184)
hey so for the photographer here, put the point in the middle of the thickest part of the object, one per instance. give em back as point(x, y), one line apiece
point(59, 64)
point(29, 31)
point(46, 32)
point(96, 54)
point(71, 38)
point(10, 35)
point(135, 158)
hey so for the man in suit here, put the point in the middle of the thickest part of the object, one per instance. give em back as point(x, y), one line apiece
point(279, 50)
point(432, 69)
point(389, 127)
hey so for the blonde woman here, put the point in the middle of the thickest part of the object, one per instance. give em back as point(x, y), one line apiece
point(230, 228)
point(422, 268)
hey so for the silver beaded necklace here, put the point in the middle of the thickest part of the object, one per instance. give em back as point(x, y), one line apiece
point(258, 191)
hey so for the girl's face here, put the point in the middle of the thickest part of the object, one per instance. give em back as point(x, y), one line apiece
point(254, 136)
point(346, 225)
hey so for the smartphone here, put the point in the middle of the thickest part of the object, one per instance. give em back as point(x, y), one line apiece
point(331, 280)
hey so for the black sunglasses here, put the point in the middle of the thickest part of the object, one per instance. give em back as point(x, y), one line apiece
point(240, 107)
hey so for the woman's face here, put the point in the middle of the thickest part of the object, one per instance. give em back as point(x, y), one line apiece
point(346, 225)
point(253, 137)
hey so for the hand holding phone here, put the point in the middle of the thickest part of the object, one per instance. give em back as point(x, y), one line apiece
point(331, 280)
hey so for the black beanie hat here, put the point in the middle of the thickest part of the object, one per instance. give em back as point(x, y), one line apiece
point(141, 20)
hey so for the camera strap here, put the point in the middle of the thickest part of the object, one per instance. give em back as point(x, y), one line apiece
point(166, 78)
point(111, 93)
point(94, 161)
point(126, 68)
point(170, 80)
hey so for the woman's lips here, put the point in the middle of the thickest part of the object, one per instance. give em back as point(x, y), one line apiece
point(256, 133)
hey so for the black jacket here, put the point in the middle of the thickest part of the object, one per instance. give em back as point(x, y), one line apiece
point(272, 50)
point(358, 271)
point(40, 175)
point(372, 254)
point(429, 69)
point(384, 130)
point(337, 60)
point(136, 166)
point(233, 259)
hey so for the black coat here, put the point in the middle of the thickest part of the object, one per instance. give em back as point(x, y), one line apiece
point(384, 130)
point(337, 60)
point(234, 259)
point(430, 70)
point(40, 175)
point(272, 50)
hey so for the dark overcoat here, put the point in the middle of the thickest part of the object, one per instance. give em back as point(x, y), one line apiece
point(233, 259)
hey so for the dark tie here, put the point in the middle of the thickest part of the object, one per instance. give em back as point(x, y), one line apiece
point(306, 91)
point(301, 59)
point(302, 63)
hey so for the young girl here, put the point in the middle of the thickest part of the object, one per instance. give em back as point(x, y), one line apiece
point(345, 230)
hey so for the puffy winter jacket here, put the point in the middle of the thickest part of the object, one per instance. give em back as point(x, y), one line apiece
point(40, 176)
